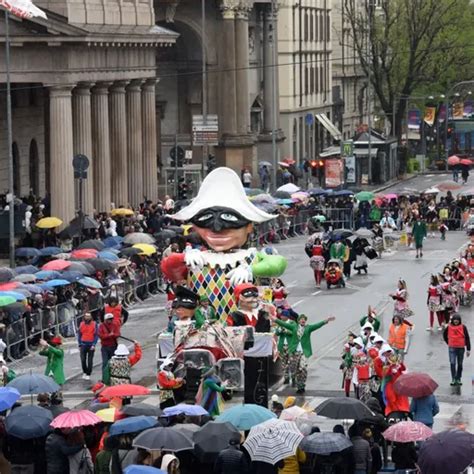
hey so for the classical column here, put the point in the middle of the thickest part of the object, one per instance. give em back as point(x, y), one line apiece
point(101, 146)
point(82, 137)
point(150, 169)
point(61, 153)
point(268, 59)
point(134, 142)
point(242, 65)
point(118, 143)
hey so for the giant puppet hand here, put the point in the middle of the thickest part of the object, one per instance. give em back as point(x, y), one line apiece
point(240, 274)
point(268, 266)
point(194, 258)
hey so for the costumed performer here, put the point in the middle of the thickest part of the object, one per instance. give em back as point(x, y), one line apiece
point(55, 363)
point(209, 394)
point(184, 306)
point(205, 313)
point(168, 384)
point(120, 365)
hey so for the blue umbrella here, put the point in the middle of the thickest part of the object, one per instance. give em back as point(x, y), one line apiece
point(56, 282)
point(137, 469)
point(26, 269)
point(24, 291)
point(18, 296)
point(27, 252)
point(29, 384)
point(108, 255)
point(8, 397)
point(35, 289)
point(113, 241)
point(47, 274)
point(51, 251)
point(342, 193)
point(183, 408)
point(90, 283)
point(28, 422)
point(71, 275)
point(317, 191)
point(244, 417)
point(132, 425)
point(284, 201)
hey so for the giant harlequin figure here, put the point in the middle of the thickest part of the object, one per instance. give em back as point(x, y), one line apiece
point(223, 217)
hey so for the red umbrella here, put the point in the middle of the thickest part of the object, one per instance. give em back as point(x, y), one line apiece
point(125, 390)
point(454, 160)
point(415, 384)
point(75, 419)
point(407, 432)
point(84, 253)
point(466, 162)
point(57, 265)
point(289, 160)
point(9, 286)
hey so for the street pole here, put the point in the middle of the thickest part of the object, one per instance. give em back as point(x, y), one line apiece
point(274, 99)
point(11, 207)
point(205, 150)
point(369, 90)
point(176, 167)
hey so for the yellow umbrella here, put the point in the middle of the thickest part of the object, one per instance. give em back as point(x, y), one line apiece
point(109, 415)
point(147, 249)
point(49, 222)
point(186, 228)
point(121, 211)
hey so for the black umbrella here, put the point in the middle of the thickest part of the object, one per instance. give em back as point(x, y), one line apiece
point(130, 252)
point(75, 227)
point(163, 439)
point(101, 264)
point(72, 276)
point(282, 195)
point(138, 409)
point(6, 274)
point(343, 408)
point(26, 269)
point(164, 234)
point(95, 407)
point(29, 384)
point(176, 228)
point(92, 244)
point(340, 234)
point(212, 438)
point(28, 422)
point(81, 267)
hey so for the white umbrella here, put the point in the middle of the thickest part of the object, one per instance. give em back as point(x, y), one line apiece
point(290, 414)
point(364, 232)
point(138, 238)
point(273, 441)
point(431, 191)
point(289, 188)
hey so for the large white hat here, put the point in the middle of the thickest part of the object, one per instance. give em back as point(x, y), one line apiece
point(222, 188)
point(358, 341)
point(367, 325)
point(385, 348)
point(377, 338)
point(121, 350)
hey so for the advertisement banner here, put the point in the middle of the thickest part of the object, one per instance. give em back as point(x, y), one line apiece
point(442, 113)
point(414, 119)
point(350, 169)
point(468, 108)
point(333, 173)
point(430, 113)
point(458, 110)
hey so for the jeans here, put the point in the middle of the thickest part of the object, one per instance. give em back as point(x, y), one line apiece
point(107, 353)
point(22, 469)
point(456, 355)
point(87, 357)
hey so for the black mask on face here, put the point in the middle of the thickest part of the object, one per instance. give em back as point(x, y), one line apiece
point(219, 218)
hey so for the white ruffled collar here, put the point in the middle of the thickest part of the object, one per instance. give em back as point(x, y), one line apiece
point(231, 259)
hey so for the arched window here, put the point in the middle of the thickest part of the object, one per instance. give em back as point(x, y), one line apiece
point(16, 169)
point(34, 168)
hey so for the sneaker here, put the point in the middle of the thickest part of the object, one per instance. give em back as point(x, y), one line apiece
point(429, 329)
point(440, 328)
point(87, 377)
point(453, 382)
point(458, 382)
point(84, 376)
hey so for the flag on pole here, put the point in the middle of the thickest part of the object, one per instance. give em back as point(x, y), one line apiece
point(22, 8)
point(430, 115)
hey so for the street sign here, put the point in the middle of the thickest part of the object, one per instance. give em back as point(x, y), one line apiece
point(80, 164)
point(205, 131)
point(309, 119)
point(347, 148)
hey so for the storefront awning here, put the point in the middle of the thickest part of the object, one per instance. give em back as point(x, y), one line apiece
point(329, 126)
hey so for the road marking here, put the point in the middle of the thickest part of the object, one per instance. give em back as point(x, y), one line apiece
point(316, 293)
point(294, 305)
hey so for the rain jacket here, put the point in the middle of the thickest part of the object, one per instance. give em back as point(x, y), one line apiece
point(55, 363)
point(292, 463)
point(57, 452)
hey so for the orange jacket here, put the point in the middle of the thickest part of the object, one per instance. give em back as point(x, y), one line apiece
point(397, 336)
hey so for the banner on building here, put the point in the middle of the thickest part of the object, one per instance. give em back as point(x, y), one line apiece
point(442, 113)
point(430, 113)
point(333, 173)
point(350, 169)
point(468, 108)
point(22, 8)
point(414, 119)
point(458, 110)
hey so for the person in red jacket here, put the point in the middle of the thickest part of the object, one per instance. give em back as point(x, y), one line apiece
point(115, 308)
point(87, 337)
point(457, 337)
point(109, 332)
point(167, 384)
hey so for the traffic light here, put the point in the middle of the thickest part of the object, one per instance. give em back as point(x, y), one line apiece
point(315, 166)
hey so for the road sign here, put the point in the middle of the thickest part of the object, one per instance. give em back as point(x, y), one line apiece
point(347, 148)
point(80, 164)
point(309, 119)
point(205, 131)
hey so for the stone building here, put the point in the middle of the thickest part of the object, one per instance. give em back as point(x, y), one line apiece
point(84, 81)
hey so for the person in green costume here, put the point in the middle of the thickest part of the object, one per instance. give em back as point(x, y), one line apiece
point(299, 346)
point(204, 313)
point(419, 233)
point(338, 250)
point(209, 395)
point(55, 362)
point(283, 339)
point(370, 317)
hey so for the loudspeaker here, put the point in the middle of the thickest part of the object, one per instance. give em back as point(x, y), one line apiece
point(256, 380)
point(193, 379)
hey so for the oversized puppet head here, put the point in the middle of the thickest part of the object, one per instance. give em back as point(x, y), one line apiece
point(221, 213)
point(246, 295)
point(186, 303)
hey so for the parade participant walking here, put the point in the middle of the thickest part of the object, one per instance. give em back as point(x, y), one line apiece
point(400, 297)
point(419, 232)
point(283, 340)
point(115, 308)
point(338, 250)
point(210, 391)
point(347, 365)
point(120, 365)
point(317, 261)
point(361, 376)
point(434, 303)
point(168, 384)
point(205, 313)
point(109, 332)
point(279, 293)
point(87, 337)
point(370, 317)
point(398, 336)
point(299, 346)
point(55, 362)
point(457, 337)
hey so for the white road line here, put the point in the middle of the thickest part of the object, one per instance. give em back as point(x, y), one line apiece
point(316, 293)
point(294, 305)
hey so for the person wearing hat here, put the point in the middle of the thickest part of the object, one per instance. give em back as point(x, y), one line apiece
point(167, 384)
point(120, 365)
point(205, 313)
point(55, 361)
point(370, 317)
point(109, 332)
point(209, 394)
point(223, 217)
point(299, 346)
point(361, 373)
point(338, 250)
point(184, 306)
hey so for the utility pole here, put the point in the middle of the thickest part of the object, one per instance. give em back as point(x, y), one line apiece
point(369, 87)
point(274, 98)
point(205, 150)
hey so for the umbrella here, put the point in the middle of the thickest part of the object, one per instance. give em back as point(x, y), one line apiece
point(25, 278)
point(90, 283)
point(6, 274)
point(49, 222)
point(34, 289)
point(243, 417)
point(273, 441)
point(467, 192)
point(364, 196)
point(77, 225)
point(289, 188)
point(282, 195)
point(254, 191)
point(290, 414)
point(9, 286)
point(47, 274)
point(92, 244)
point(319, 218)
point(261, 164)
point(56, 282)
point(163, 439)
point(82, 267)
point(125, 390)
point(164, 234)
point(75, 419)
point(188, 429)
point(316, 191)
point(137, 469)
point(106, 255)
point(95, 407)
point(6, 300)
point(56, 265)
point(286, 201)
point(145, 249)
point(363, 232)
point(132, 425)
point(454, 160)
point(415, 384)
point(122, 212)
point(340, 234)
point(325, 443)
point(28, 422)
point(137, 409)
point(130, 251)
point(101, 265)
point(83, 254)
point(29, 384)
point(71, 276)
point(50, 251)
point(343, 408)
point(26, 269)
point(138, 238)
point(27, 252)
point(289, 160)
point(263, 198)
point(431, 191)
point(212, 438)
point(13, 294)
point(465, 162)
point(113, 241)
point(446, 452)
point(189, 410)
point(283, 164)
point(109, 415)
point(407, 432)
point(8, 397)
point(343, 193)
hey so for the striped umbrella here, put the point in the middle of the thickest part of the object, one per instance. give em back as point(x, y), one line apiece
point(407, 432)
point(273, 441)
point(325, 443)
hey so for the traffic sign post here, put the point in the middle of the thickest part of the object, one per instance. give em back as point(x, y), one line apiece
point(347, 154)
point(80, 164)
point(205, 130)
